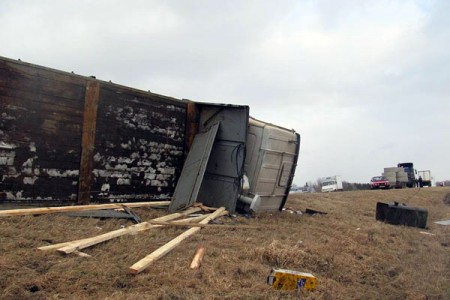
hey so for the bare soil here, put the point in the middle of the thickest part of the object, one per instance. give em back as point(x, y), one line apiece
point(352, 255)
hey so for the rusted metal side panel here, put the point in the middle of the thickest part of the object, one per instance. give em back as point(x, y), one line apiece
point(136, 152)
point(40, 133)
point(139, 145)
point(192, 121)
point(87, 143)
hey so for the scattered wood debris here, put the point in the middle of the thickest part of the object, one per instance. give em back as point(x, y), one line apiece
point(160, 252)
point(198, 257)
point(310, 211)
point(427, 233)
point(203, 220)
point(87, 242)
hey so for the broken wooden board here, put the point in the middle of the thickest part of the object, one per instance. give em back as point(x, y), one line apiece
point(87, 242)
point(198, 257)
point(107, 236)
point(51, 210)
point(160, 252)
point(190, 224)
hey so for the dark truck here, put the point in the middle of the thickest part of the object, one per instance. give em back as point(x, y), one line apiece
point(408, 168)
point(402, 176)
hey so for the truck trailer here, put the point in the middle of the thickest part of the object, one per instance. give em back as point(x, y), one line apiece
point(426, 177)
point(332, 184)
point(402, 176)
point(271, 158)
point(67, 139)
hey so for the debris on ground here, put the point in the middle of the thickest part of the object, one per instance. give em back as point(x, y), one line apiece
point(309, 211)
point(102, 214)
point(443, 222)
point(401, 214)
point(282, 279)
point(198, 257)
point(58, 209)
point(161, 251)
point(292, 210)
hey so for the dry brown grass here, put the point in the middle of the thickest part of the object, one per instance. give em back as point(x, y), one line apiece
point(352, 255)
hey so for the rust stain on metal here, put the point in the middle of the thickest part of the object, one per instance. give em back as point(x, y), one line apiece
point(192, 119)
point(87, 142)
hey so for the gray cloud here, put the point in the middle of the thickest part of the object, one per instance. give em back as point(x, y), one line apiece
point(365, 83)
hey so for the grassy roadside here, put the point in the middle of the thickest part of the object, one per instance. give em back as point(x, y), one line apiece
point(351, 254)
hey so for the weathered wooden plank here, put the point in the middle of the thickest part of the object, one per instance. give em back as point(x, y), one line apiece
point(40, 71)
point(198, 257)
point(88, 140)
point(141, 143)
point(49, 210)
point(131, 94)
point(88, 242)
point(160, 252)
point(39, 142)
point(18, 107)
point(41, 99)
point(47, 109)
point(41, 85)
point(34, 71)
point(13, 120)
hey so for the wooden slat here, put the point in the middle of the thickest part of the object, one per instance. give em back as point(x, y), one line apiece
point(116, 233)
point(31, 70)
point(50, 210)
point(88, 242)
point(82, 254)
point(160, 252)
point(87, 143)
point(36, 97)
point(198, 257)
point(190, 224)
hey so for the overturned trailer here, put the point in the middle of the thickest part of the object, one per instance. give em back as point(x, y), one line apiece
point(67, 139)
point(272, 154)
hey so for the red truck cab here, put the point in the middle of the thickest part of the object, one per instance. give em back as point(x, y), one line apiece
point(379, 182)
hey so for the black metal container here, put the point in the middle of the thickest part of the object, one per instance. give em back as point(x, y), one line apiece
point(400, 214)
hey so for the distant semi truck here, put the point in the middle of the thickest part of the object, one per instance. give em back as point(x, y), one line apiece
point(402, 176)
point(426, 177)
point(332, 184)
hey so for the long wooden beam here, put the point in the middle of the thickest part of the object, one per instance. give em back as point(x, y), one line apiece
point(51, 210)
point(85, 243)
point(123, 231)
point(190, 224)
point(160, 252)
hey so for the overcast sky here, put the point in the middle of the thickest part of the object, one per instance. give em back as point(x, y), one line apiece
point(365, 83)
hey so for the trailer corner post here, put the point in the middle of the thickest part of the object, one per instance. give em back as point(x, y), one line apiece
point(88, 139)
